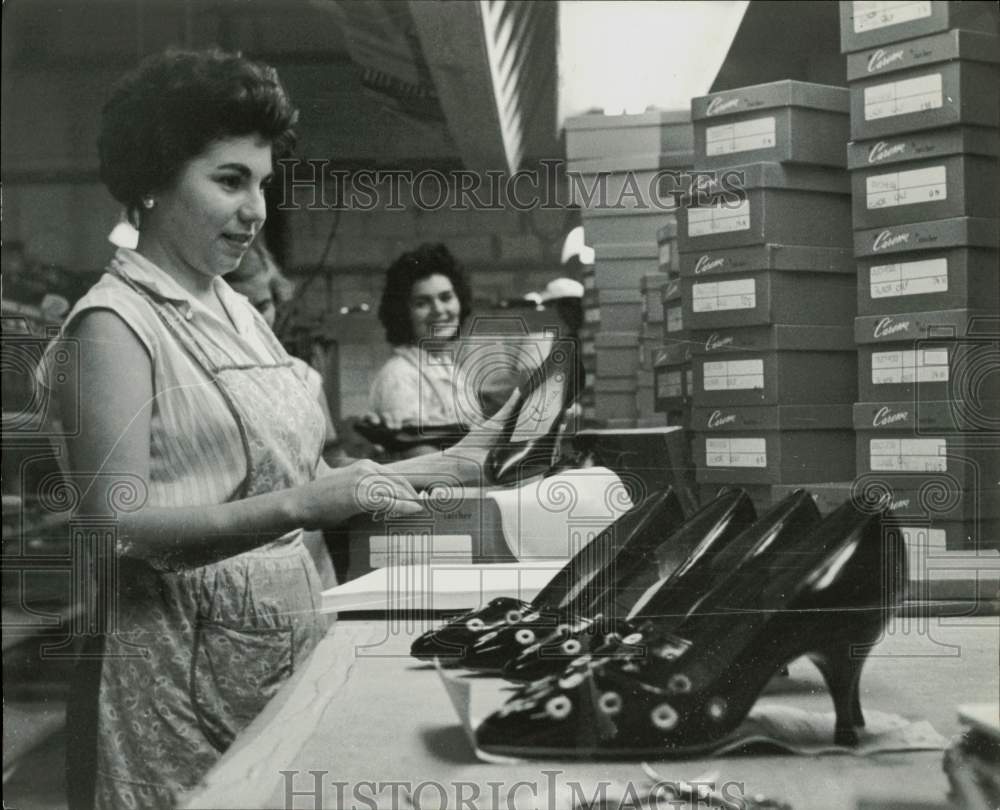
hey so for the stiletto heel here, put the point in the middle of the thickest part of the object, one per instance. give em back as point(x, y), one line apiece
point(669, 601)
point(635, 533)
point(697, 683)
point(529, 442)
point(841, 666)
point(609, 598)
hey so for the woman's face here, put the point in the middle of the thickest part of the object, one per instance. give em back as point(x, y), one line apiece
point(205, 221)
point(434, 308)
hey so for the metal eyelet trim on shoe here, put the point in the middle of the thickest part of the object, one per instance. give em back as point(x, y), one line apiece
point(669, 651)
point(632, 638)
point(664, 717)
point(475, 625)
point(524, 637)
point(679, 684)
point(513, 616)
point(571, 681)
point(610, 703)
point(559, 708)
point(716, 708)
point(562, 629)
point(571, 646)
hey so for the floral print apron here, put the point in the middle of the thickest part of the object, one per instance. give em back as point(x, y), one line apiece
point(198, 652)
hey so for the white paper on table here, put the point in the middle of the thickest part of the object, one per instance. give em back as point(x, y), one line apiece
point(439, 586)
point(552, 518)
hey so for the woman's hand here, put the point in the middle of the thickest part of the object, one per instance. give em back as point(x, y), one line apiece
point(360, 487)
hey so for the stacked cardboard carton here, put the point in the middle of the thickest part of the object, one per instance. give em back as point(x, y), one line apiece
point(925, 113)
point(767, 288)
point(618, 171)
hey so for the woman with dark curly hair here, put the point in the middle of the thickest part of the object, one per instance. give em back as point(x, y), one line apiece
point(183, 394)
point(425, 301)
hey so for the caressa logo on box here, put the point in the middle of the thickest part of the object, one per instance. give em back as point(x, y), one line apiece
point(881, 59)
point(886, 240)
point(716, 341)
point(721, 104)
point(718, 419)
point(706, 264)
point(888, 326)
point(885, 416)
point(883, 151)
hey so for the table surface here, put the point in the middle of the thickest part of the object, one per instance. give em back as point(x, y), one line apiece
point(362, 714)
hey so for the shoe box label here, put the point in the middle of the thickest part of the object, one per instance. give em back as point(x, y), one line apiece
point(740, 136)
point(950, 279)
point(952, 186)
point(733, 375)
point(944, 95)
point(769, 297)
point(672, 309)
point(796, 258)
point(727, 452)
point(868, 23)
point(929, 370)
point(791, 378)
point(955, 463)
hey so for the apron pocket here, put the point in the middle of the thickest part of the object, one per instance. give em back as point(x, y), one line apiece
point(234, 674)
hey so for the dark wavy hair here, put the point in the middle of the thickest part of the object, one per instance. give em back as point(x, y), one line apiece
point(173, 105)
point(416, 265)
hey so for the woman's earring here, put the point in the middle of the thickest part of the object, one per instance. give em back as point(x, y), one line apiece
point(148, 202)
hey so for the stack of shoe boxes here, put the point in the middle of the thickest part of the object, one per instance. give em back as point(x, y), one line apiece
point(925, 130)
point(670, 357)
point(616, 166)
point(768, 288)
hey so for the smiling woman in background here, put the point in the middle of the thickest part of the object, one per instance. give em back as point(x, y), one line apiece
point(184, 394)
point(425, 301)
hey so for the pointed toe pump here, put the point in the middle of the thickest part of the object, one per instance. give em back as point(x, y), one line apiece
point(528, 445)
point(668, 602)
point(633, 535)
point(829, 601)
point(608, 597)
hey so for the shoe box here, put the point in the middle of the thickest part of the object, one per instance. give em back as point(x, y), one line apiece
point(938, 265)
point(908, 446)
point(674, 322)
point(768, 284)
point(652, 286)
point(614, 397)
point(626, 182)
point(785, 122)
point(785, 364)
point(622, 266)
point(938, 81)
point(767, 203)
point(650, 341)
point(646, 459)
point(613, 229)
point(944, 354)
point(773, 444)
point(617, 353)
point(591, 309)
point(938, 174)
point(455, 530)
point(653, 132)
point(620, 309)
point(645, 393)
point(666, 243)
point(865, 24)
point(673, 377)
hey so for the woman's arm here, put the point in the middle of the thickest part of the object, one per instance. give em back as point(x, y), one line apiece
point(112, 390)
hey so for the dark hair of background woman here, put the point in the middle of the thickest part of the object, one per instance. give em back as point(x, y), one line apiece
point(416, 265)
point(170, 108)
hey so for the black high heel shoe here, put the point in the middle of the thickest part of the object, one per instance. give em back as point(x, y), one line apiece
point(635, 533)
point(711, 564)
point(613, 594)
point(528, 445)
point(830, 602)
